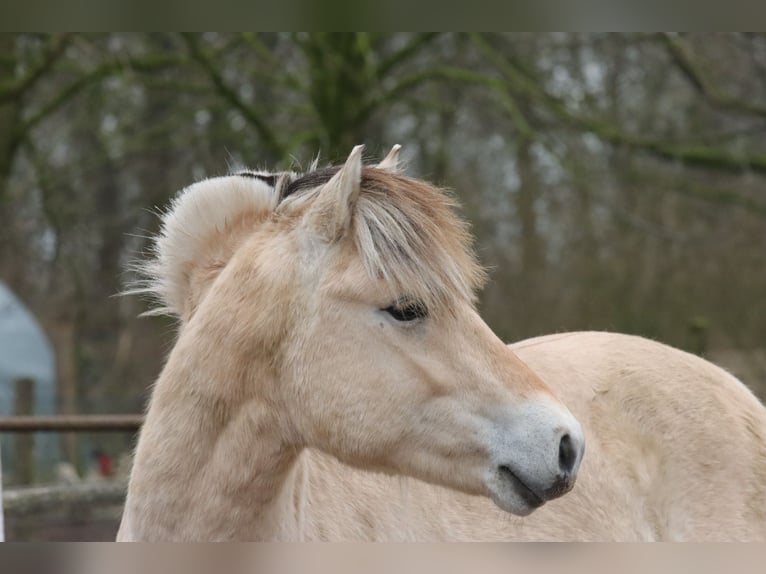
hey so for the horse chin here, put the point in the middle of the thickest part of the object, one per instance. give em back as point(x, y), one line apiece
point(512, 495)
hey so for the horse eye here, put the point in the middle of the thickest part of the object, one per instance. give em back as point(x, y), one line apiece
point(407, 311)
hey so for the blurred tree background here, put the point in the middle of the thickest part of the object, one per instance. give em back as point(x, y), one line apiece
point(614, 182)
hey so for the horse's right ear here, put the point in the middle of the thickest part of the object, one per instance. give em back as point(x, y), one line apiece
point(331, 215)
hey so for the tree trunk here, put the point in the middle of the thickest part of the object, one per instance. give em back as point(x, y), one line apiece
point(63, 333)
point(531, 244)
point(10, 115)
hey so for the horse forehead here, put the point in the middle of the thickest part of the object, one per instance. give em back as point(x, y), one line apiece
point(346, 275)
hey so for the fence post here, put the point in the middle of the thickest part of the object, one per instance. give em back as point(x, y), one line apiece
point(25, 442)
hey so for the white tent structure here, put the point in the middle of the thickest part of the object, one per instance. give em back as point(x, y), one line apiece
point(25, 352)
point(2, 522)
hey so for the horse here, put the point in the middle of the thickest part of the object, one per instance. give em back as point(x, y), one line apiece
point(332, 379)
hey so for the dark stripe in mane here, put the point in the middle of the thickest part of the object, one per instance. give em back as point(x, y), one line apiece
point(310, 181)
point(269, 179)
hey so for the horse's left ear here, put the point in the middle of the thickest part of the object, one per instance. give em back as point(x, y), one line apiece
point(333, 211)
point(391, 161)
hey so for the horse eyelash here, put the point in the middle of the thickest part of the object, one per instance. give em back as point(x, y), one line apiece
point(407, 311)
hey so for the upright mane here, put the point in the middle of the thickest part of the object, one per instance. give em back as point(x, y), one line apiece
point(406, 233)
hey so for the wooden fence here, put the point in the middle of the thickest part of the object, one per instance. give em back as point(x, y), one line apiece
point(30, 500)
point(71, 423)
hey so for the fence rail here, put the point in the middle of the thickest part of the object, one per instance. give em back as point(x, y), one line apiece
point(36, 499)
point(30, 500)
point(71, 423)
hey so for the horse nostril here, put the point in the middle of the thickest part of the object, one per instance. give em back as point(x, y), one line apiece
point(567, 454)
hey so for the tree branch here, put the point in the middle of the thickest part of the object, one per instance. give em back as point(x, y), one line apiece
point(229, 95)
point(284, 76)
point(681, 54)
point(411, 49)
point(448, 74)
point(143, 65)
point(53, 52)
point(710, 157)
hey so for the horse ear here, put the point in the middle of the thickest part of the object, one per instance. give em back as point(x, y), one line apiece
point(332, 214)
point(391, 161)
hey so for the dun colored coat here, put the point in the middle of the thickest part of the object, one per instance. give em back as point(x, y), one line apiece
point(332, 380)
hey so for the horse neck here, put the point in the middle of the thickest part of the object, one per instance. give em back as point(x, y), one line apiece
point(209, 464)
